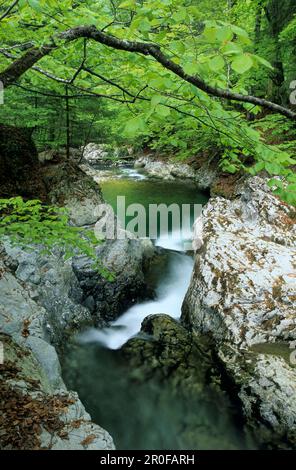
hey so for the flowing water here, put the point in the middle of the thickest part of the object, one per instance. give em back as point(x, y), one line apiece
point(173, 279)
point(148, 416)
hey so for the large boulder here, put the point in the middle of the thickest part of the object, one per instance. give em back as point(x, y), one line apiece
point(164, 170)
point(47, 280)
point(243, 293)
point(127, 261)
point(204, 175)
point(166, 349)
point(94, 153)
point(244, 284)
point(68, 186)
point(41, 412)
point(56, 282)
point(38, 414)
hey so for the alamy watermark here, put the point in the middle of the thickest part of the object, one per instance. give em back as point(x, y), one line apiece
point(1, 93)
point(1, 353)
point(153, 222)
point(293, 93)
point(293, 353)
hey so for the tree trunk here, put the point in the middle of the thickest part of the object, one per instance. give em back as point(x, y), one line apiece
point(278, 14)
point(68, 137)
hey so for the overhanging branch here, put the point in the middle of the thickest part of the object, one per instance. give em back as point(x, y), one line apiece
point(19, 67)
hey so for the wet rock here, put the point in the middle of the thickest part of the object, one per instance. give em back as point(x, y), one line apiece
point(243, 292)
point(166, 349)
point(127, 260)
point(182, 364)
point(204, 176)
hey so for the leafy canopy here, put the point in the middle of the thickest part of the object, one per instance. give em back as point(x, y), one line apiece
point(147, 104)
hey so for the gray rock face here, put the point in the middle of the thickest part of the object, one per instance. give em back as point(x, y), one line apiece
point(167, 171)
point(31, 364)
point(59, 418)
point(244, 284)
point(47, 281)
point(126, 260)
point(99, 153)
point(204, 176)
point(243, 292)
point(94, 153)
point(45, 298)
point(266, 386)
point(71, 188)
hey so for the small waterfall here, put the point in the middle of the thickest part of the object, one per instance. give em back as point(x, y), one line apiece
point(170, 293)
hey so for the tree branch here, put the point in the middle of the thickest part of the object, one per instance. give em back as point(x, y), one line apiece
point(24, 63)
point(19, 67)
point(9, 9)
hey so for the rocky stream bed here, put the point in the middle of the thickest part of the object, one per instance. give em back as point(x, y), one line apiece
point(217, 375)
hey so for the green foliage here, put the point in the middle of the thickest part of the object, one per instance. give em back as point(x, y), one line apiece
point(234, 45)
point(30, 223)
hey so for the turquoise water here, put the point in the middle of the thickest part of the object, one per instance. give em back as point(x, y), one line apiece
point(147, 192)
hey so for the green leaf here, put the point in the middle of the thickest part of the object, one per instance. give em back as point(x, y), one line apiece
point(232, 48)
point(134, 125)
point(180, 15)
point(241, 33)
point(190, 68)
point(210, 33)
point(262, 61)
point(242, 63)
point(155, 100)
point(224, 34)
point(35, 4)
point(163, 111)
point(217, 63)
point(144, 25)
point(128, 4)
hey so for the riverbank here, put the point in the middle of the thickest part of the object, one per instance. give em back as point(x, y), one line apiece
point(44, 301)
point(243, 295)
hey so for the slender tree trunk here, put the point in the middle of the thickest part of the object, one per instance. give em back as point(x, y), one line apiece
point(67, 124)
point(258, 23)
point(278, 14)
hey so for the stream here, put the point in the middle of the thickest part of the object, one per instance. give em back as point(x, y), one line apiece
point(148, 415)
